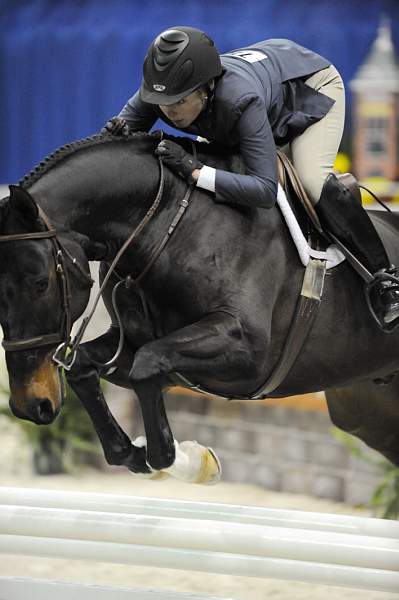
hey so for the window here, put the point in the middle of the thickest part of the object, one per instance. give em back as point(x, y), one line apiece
point(377, 173)
point(376, 135)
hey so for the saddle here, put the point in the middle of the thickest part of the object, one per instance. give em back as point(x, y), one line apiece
point(288, 176)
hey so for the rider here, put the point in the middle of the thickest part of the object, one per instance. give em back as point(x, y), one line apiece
point(254, 99)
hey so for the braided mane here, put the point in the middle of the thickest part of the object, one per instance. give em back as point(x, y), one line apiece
point(53, 159)
point(216, 154)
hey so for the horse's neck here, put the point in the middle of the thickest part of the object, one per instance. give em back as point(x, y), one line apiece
point(105, 200)
point(105, 193)
point(98, 192)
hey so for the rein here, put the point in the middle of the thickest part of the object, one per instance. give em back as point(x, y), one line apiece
point(128, 280)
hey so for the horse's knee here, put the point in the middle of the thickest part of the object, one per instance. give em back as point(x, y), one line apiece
point(149, 362)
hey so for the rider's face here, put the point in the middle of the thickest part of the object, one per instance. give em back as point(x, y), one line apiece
point(184, 112)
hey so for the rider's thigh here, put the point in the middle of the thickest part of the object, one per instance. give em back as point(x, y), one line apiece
point(314, 152)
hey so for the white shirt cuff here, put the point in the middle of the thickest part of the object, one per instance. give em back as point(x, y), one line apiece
point(206, 179)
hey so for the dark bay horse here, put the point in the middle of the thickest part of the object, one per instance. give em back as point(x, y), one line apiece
point(215, 306)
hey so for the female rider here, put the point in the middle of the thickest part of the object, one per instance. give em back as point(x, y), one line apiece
point(254, 99)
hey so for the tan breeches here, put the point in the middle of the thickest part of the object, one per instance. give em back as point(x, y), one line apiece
point(315, 150)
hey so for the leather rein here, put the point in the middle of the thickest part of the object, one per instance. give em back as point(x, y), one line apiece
point(65, 353)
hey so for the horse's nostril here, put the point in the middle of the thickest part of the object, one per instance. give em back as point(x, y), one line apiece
point(45, 412)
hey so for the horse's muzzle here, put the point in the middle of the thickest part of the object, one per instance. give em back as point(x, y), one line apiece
point(38, 410)
point(40, 398)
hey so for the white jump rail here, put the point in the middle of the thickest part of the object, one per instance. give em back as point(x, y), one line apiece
point(217, 538)
point(35, 589)
point(120, 503)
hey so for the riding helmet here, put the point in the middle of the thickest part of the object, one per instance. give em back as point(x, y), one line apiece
point(178, 61)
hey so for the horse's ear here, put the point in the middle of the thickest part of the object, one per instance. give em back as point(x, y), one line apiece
point(22, 202)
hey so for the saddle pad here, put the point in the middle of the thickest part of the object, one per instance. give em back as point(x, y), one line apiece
point(332, 255)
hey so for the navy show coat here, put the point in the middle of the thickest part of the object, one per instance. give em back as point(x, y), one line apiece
point(260, 101)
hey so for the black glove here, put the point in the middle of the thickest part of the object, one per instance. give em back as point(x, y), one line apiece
point(178, 160)
point(116, 126)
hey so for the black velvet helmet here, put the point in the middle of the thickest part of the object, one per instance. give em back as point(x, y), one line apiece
point(178, 61)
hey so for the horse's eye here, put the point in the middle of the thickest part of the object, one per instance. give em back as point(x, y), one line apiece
point(41, 285)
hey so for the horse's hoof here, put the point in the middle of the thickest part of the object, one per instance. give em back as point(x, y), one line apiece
point(195, 464)
point(211, 469)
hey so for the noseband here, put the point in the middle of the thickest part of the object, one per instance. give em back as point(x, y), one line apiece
point(58, 253)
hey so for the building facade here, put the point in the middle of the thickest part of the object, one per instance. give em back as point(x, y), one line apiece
point(375, 89)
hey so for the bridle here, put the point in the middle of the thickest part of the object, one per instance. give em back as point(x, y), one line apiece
point(59, 252)
point(66, 351)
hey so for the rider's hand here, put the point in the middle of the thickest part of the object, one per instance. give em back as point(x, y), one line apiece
point(178, 160)
point(116, 126)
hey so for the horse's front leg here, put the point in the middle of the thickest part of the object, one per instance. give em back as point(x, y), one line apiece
point(159, 437)
point(84, 379)
point(211, 347)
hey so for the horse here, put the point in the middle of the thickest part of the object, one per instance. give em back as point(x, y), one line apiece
point(211, 307)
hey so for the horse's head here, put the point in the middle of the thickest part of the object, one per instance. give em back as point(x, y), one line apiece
point(41, 292)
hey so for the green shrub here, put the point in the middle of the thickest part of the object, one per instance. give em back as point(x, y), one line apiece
point(385, 499)
point(66, 443)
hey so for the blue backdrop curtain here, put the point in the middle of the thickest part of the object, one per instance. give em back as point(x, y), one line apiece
point(66, 66)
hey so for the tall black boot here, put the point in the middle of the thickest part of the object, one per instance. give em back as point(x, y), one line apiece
point(346, 219)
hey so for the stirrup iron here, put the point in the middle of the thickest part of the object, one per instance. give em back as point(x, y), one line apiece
point(369, 288)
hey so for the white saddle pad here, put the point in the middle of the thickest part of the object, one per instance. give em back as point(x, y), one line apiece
point(332, 255)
